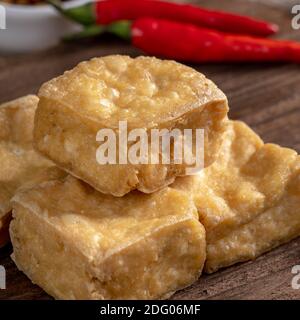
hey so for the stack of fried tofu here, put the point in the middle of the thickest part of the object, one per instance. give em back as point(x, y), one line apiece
point(84, 230)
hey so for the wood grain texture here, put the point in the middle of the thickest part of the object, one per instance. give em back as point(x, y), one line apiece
point(266, 96)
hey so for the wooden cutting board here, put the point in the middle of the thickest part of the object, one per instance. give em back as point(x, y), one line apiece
point(266, 96)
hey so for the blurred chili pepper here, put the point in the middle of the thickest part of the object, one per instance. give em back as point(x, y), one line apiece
point(187, 42)
point(108, 11)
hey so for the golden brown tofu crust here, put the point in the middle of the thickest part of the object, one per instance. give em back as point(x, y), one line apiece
point(147, 93)
point(20, 166)
point(77, 243)
point(248, 200)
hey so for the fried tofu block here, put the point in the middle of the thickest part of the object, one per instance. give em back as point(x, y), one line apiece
point(275, 226)
point(248, 200)
point(20, 166)
point(77, 243)
point(146, 92)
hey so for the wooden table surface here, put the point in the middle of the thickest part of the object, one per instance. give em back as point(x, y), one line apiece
point(266, 96)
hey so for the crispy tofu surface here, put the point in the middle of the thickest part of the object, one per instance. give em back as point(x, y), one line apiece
point(21, 166)
point(147, 93)
point(77, 243)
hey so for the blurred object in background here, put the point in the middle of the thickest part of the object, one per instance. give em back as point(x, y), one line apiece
point(104, 12)
point(27, 2)
point(23, 1)
point(34, 27)
point(279, 3)
point(183, 32)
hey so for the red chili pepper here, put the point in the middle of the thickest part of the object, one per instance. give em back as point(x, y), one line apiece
point(108, 11)
point(187, 42)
